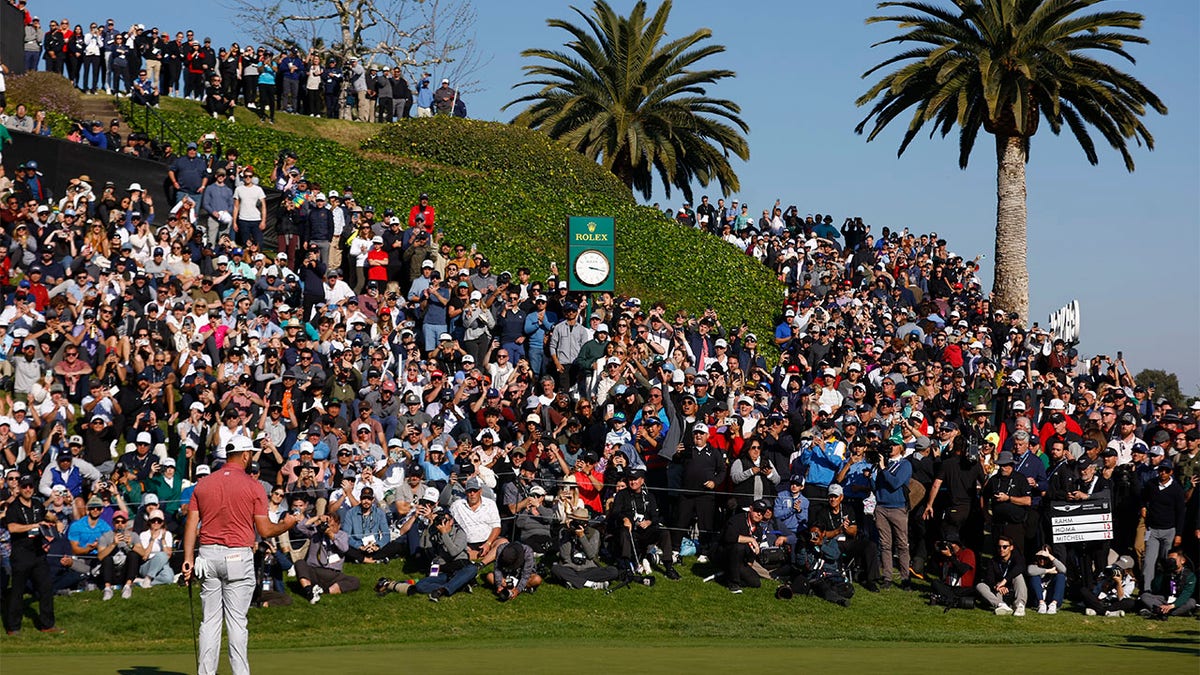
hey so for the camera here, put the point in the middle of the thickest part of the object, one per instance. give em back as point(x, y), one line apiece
point(873, 457)
point(1112, 571)
point(322, 527)
point(505, 595)
point(505, 277)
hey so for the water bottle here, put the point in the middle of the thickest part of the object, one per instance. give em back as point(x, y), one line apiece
point(434, 569)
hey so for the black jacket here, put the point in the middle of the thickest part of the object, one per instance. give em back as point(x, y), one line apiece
point(1164, 506)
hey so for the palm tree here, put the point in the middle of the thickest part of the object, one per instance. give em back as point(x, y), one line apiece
point(626, 99)
point(1002, 65)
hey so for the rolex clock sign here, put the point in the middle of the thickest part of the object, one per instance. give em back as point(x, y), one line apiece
point(591, 253)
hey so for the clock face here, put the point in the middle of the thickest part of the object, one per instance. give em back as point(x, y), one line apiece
point(592, 267)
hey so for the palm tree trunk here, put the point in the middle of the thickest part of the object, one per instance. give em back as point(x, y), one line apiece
point(1010, 288)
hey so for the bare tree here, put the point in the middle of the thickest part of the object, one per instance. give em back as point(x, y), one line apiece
point(416, 35)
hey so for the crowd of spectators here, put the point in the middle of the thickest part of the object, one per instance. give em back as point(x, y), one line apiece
point(147, 63)
point(413, 402)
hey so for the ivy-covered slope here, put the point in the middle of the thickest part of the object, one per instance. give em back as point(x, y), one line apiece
point(510, 190)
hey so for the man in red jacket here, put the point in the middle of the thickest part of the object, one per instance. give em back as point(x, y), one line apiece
point(423, 209)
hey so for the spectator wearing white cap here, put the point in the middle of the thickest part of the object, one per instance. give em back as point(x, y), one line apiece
point(154, 546)
point(167, 486)
point(140, 461)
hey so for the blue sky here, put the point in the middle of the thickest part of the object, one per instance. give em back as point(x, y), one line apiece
point(1125, 245)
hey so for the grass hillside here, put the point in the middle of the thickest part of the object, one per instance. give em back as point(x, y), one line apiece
point(508, 190)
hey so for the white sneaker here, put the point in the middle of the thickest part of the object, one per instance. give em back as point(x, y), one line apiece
point(214, 116)
point(251, 106)
point(1003, 609)
point(1114, 613)
point(145, 582)
point(597, 585)
point(108, 593)
point(291, 573)
point(1020, 610)
point(1041, 608)
point(645, 567)
point(316, 595)
point(702, 559)
point(1052, 608)
point(1089, 612)
point(127, 592)
point(231, 119)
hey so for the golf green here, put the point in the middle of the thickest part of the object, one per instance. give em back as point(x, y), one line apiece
point(768, 655)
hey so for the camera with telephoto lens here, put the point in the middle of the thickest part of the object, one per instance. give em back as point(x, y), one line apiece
point(872, 457)
point(505, 595)
point(322, 527)
point(1112, 571)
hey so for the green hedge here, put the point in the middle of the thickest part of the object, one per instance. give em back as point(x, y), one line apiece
point(49, 92)
point(510, 190)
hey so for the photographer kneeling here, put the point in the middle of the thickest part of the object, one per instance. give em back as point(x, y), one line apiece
point(740, 545)
point(578, 547)
point(1114, 592)
point(514, 571)
point(321, 570)
point(955, 586)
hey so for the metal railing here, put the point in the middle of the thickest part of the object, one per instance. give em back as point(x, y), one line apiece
point(148, 118)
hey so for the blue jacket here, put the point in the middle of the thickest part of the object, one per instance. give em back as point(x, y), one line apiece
point(435, 472)
point(823, 461)
point(1030, 466)
point(424, 94)
point(890, 484)
point(537, 330)
point(791, 511)
point(357, 525)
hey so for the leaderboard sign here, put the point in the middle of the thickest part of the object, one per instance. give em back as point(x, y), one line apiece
point(1089, 520)
point(591, 253)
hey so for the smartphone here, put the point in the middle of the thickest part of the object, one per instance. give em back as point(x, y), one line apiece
point(1120, 355)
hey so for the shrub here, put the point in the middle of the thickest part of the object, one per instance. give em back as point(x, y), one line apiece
point(510, 190)
point(45, 91)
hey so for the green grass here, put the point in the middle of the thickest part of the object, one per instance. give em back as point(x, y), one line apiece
point(629, 654)
point(348, 133)
point(157, 621)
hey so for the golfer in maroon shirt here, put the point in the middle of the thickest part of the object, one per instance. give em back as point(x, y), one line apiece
point(226, 508)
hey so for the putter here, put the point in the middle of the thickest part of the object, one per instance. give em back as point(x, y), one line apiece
point(192, 612)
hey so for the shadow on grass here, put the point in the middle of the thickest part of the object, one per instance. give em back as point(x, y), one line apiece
point(1180, 644)
point(148, 670)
